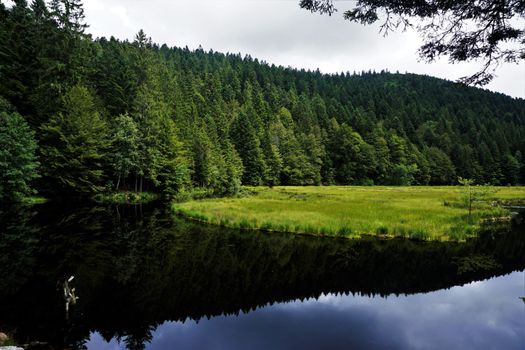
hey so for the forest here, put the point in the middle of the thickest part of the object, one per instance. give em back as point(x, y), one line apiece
point(82, 115)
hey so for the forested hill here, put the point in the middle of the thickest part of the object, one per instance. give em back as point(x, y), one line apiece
point(108, 114)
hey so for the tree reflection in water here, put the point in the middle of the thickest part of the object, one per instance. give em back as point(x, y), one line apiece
point(136, 267)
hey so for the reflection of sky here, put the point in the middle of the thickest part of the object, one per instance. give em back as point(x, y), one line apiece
point(480, 315)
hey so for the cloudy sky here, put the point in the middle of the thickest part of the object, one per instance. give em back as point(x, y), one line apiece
point(279, 32)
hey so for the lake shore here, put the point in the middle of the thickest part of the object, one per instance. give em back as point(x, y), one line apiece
point(422, 213)
point(126, 197)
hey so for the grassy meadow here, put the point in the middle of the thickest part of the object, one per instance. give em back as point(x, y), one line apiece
point(425, 213)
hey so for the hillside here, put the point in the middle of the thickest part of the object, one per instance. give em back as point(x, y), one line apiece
point(136, 115)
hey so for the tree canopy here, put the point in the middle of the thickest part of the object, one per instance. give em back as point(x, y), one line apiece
point(133, 115)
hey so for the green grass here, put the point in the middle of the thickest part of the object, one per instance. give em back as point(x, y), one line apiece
point(422, 213)
point(126, 197)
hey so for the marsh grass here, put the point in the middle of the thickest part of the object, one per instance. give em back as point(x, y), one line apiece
point(420, 213)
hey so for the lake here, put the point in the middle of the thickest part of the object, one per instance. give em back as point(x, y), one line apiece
point(149, 280)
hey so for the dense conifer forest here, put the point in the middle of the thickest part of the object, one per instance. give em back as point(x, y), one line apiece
point(79, 116)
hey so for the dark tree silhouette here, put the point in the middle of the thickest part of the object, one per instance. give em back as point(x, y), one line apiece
point(489, 31)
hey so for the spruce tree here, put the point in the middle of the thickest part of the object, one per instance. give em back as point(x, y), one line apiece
point(124, 148)
point(74, 144)
point(248, 146)
point(18, 161)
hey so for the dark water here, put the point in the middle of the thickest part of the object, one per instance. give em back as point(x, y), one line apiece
point(148, 280)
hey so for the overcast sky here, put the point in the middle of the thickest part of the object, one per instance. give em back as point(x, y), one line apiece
point(280, 32)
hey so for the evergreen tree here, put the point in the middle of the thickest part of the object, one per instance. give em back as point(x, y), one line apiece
point(205, 159)
point(511, 170)
point(217, 120)
point(234, 170)
point(248, 146)
point(274, 161)
point(18, 161)
point(124, 148)
point(442, 170)
point(74, 143)
point(352, 159)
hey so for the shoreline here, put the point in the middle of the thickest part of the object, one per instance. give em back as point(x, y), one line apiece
point(290, 210)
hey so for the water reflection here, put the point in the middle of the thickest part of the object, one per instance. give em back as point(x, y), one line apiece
point(136, 268)
point(480, 315)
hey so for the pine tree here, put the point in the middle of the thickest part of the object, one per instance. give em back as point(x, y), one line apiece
point(69, 14)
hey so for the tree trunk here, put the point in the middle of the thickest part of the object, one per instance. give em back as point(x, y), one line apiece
point(118, 182)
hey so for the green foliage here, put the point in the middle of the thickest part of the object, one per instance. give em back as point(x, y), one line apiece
point(411, 212)
point(18, 161)
point(170, 119)
point(511, 170)
point(160, 156)
point(248, 146)
point(472, 194)
point(74, 144)
point(124, 146)
point(125, 197)
point(442, 170)
point(402, 175)
point(349, 159)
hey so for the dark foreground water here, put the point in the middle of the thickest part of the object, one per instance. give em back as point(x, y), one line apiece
point(148, 280)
